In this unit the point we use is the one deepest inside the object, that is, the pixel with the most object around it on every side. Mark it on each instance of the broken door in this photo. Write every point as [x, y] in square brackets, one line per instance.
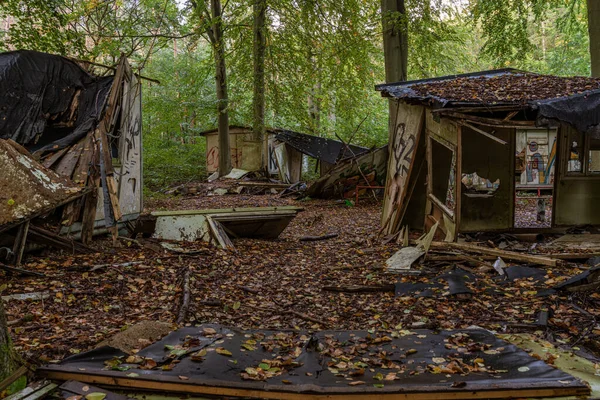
[487, 179]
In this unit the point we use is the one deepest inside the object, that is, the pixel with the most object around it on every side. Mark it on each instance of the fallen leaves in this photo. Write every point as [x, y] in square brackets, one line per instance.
[282, 275]
[506, 88]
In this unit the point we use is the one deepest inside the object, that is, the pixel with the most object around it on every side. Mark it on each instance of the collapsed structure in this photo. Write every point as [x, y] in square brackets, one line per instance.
[461, 147]
[345, 170]
[85, 128]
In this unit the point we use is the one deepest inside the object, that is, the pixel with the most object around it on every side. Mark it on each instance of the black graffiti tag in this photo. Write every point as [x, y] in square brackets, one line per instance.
[403, 150]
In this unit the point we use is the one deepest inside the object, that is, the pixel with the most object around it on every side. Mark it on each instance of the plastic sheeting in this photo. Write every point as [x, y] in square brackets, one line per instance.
[48, 101]
[581, 111]
[325, 362]
[328, 150]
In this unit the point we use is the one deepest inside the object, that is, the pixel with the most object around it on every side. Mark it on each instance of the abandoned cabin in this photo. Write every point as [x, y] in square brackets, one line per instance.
[65, 128]
[502, 150]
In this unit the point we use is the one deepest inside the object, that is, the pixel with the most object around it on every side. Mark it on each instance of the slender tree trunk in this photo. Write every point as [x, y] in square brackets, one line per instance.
[258, 130]
[8, 357]
[221, 81]
[593, 10]
[395, 39]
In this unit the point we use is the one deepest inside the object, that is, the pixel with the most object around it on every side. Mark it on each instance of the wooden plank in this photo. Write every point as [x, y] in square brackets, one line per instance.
[68, 162]
[42, 392]
[219, 233]
[480, 109]
[509, 255]
[54, 240]
[441, 206]
[89, 213]
[84, 389]
[484, 133]
[265, 184]
[458, 182]
[20, 241]
[489, 121]
[12, 378]
[33, 391]
[129, 383]
[50, 160]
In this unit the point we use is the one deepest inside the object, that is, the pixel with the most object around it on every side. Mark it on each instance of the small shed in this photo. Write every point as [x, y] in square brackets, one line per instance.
[285, 151]
[465, 149]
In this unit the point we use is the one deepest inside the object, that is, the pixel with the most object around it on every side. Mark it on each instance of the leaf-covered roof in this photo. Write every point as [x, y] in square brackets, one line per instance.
[491, 87]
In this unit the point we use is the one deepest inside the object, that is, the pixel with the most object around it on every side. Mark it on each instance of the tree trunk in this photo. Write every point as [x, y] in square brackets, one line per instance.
[258, 131]
[221, 81]
[593, 9]
[395, 39]
[8, 357]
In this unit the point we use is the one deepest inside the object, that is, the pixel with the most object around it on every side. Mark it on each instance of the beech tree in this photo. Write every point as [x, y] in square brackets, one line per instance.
[395, 39]
[258, 100]
[214, 32]
[593, 12]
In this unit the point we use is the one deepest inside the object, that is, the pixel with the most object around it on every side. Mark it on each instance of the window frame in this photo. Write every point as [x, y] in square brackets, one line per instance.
[585, 160]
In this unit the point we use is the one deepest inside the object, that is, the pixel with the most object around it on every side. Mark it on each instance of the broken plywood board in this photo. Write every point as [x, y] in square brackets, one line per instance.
[577, 242]
[212, 371]
[29, 188]
[34, 391]
[236, 173]
[566, 361]
[73, 390]
[402, 260]
[256, 222]
[138, 336]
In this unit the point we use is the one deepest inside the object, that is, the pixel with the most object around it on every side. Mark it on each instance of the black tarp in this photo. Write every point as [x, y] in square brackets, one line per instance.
[38, 90]
[325, 362]
[582, 111]
[323, 149]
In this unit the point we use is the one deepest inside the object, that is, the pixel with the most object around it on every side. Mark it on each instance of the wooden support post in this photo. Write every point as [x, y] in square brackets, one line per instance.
[19, 245]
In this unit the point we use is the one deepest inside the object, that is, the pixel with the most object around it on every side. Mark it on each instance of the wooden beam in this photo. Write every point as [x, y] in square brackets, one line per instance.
[20, 241]
[509, 255]
[488, 121]
[51, 239]
[481, 109]
[484, 133]
[222, 391]
[13, 377]
[510, 115]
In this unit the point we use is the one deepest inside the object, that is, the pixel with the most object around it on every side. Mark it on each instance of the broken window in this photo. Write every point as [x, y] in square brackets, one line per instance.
[575, 152]
[442, 173]
[594, 156]
[477, 186]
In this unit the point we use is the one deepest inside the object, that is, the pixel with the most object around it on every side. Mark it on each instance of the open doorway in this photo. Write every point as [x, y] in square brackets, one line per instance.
[535, 156]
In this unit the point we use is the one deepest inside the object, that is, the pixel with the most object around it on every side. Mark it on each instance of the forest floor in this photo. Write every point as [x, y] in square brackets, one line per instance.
[276, 284]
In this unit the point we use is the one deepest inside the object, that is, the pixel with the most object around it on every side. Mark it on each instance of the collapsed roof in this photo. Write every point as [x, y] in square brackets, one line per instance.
[323, 149]
[574, 100]
[75, 123]
[28, 189]
[48, 102]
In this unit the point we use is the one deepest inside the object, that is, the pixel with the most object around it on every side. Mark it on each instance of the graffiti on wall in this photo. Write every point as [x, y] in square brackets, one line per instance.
[212, 158]
[402, 147]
